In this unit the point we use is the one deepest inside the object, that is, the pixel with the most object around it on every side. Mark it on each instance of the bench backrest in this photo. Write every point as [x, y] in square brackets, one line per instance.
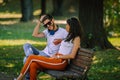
[82, 62]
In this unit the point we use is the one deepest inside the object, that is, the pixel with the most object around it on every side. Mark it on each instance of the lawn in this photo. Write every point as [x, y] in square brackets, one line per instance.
[106, 63]
[13, 34]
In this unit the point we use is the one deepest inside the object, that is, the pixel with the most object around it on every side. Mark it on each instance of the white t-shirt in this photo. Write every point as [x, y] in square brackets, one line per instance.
[51, 48]
[66, 47]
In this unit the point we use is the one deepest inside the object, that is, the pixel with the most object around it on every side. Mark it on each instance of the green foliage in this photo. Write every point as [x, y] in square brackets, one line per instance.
[105, 65]
[112, 16]
[90, 35]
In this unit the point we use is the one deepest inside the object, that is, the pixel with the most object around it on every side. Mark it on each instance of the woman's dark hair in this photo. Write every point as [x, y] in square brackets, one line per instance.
[47, 16]
[75, 29]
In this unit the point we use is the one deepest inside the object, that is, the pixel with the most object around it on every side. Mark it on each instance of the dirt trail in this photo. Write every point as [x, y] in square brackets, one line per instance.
[3, 76]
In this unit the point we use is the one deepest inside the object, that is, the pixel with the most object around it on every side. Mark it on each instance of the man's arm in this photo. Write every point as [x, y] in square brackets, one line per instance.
[36, 32]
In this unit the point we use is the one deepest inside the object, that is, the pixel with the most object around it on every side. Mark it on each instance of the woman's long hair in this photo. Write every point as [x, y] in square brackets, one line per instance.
[75, 29]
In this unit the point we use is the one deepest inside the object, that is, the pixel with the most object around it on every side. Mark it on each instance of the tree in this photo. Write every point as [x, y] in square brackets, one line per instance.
[57, 6]
[27, 10]
[112, 16]
[43, 7]
[91, 16]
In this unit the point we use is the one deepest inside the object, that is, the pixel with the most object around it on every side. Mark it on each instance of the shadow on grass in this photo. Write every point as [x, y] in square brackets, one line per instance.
[11, 60]
[106, 65]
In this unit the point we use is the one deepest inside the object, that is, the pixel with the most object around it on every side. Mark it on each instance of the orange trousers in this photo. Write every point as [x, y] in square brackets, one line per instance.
[35, 62]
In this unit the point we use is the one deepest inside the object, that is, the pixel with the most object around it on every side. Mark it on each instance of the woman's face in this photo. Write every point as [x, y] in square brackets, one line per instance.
[67, 27]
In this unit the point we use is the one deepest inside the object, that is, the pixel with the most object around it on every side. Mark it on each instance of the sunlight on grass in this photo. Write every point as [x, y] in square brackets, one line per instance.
[1, 1]
[18, 16]
[37, 12]
[95, 61]
[115, 41]
[10, 15]
[8, 22]
[10, 65]
[7, 16]
[45, 76]
[115, 69]
[119, 57]
[19, 42]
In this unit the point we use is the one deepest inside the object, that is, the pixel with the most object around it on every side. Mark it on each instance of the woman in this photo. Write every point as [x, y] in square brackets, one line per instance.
[59, 61]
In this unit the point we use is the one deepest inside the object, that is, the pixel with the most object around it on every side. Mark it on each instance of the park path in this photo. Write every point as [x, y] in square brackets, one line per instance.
[3, 76]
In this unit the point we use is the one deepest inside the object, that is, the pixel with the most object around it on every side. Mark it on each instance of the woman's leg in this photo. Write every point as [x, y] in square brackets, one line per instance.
[24, 69]
[36, 65]
[33, 71]
[20, 77]
[47, 63]
[29, 49]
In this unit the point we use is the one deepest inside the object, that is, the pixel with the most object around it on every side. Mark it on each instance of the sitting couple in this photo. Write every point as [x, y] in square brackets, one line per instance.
[61, 45]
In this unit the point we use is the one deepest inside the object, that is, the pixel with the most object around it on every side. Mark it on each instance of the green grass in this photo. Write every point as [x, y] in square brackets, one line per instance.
[13, 34]
[12, 38]
[106, 63]
[115, 41]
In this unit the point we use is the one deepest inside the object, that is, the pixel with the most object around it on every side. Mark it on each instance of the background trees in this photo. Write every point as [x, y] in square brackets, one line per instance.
[26, 10]
[112, 16]
[99, 21]
[91, 16]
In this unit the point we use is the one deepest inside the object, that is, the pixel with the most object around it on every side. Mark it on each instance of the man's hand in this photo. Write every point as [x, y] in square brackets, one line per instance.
[41, 18]
[57, 41]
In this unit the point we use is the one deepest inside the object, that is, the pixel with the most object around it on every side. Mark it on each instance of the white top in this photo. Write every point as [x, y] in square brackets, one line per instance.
[51, 48]
[66, 47]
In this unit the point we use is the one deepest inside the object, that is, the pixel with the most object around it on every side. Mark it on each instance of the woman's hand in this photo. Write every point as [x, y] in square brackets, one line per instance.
[56, 56]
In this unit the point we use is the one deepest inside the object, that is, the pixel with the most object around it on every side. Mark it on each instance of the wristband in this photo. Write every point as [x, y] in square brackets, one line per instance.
[58, 56]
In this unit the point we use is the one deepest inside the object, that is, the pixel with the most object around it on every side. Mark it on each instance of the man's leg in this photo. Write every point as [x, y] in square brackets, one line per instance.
[29, 49]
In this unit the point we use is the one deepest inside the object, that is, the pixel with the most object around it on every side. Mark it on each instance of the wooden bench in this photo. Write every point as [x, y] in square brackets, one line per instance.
[77, 69]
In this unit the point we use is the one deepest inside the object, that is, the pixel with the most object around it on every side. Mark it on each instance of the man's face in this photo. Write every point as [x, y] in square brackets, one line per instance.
[48, 24]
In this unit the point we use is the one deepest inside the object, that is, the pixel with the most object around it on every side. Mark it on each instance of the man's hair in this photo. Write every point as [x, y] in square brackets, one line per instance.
[47, 16]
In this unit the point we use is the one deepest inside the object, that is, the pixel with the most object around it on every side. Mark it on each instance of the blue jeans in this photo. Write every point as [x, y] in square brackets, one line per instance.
[28, 50]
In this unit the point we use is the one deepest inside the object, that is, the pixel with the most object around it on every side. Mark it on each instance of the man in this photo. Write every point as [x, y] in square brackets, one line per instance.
[54, 35]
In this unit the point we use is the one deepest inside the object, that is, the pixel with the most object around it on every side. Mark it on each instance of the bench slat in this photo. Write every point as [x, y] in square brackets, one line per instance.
[83, 62]
[84, 58]
[85, 54]
[77, 68]
[79, 64]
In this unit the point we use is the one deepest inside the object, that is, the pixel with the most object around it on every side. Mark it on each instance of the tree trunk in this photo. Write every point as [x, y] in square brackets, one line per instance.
[27, 10]
[57, 6]
[43, 7]
[91, 16]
